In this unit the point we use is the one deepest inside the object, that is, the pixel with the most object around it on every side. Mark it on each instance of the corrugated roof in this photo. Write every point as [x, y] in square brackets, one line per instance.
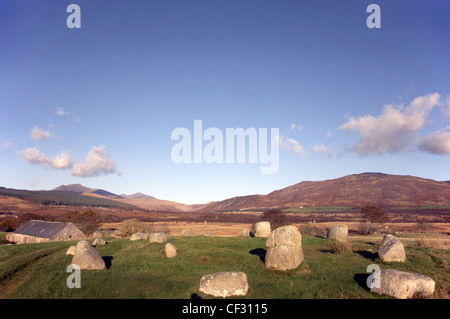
[39, 228]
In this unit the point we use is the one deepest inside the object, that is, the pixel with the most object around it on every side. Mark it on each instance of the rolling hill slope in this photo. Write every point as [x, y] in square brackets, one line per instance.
[63, 198]
[139, 200]
[348, 191]
[351, 190]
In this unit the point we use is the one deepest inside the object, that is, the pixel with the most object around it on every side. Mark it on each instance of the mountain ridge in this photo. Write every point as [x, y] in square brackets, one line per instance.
[137, 195]
[348, 191]
[138, 199]
[78, 188]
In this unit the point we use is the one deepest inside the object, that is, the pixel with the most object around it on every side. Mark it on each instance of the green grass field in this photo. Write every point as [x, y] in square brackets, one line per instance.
[435, 207]
[140, 269]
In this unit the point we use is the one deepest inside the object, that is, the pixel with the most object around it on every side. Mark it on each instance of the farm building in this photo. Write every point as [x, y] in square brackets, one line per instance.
[38, 231]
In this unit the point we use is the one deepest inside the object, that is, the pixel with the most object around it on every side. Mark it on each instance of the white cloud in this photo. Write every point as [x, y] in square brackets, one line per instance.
[34, 156]
[436, 143]
[395, 129]
[39, 134]
[97, 162]
[61, 112]
[322, 149]
[291, 145]
[297, 127]
[330, 133]
[62, 161]
[5, 145]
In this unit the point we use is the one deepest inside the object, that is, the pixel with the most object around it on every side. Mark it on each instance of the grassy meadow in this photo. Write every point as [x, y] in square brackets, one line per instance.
[140, 269]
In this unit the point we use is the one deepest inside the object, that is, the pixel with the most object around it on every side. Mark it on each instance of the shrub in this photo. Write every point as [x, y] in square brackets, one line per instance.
[310, 229]
[12, 224]
[373, 217]
[366, 228]
[8, 224]
[130, 226]
[87, 221]
[48, 218]
[276, 218]
[341, 247]
[374, 214]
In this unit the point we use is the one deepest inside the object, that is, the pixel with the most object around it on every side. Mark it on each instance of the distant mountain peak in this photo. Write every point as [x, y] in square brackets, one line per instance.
[372, 173]
[77, 188]
[138, 195]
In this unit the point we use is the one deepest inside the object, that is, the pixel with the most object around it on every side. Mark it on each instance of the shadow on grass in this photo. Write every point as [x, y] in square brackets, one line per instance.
[260, 252]
[108, 261]
[361, 279]
[367, 254]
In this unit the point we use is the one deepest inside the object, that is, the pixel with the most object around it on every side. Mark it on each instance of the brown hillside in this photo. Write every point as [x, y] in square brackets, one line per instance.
[156, 204]
[351, 190]
[148, 203]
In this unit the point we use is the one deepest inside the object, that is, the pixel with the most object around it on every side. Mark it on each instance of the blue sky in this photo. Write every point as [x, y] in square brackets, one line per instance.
[97, 105]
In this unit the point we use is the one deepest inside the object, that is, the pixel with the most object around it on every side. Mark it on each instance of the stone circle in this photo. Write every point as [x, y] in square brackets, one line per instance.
[224, 284]
[338, 233]
[403, 285]
[262, 229]
[138, 236]
[391, 250]
[170, 250]
[284, 248]
[86, 257]
[158, 238]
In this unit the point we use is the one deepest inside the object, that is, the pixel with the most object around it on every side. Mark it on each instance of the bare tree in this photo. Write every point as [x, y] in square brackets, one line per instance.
[276, 217]
[372, 218]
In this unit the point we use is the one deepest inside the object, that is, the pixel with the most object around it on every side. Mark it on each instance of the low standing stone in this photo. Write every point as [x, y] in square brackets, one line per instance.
[170, 250]
[284, 248]
[87, 257]
[71, 250]
[262, 229]
[338, 233]
[98, 242]
[224, 284]
[403, 285]
[138, 236]
[158, 238]
[97, 234]
[187, 233]
[391, 250]
[245, 233]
